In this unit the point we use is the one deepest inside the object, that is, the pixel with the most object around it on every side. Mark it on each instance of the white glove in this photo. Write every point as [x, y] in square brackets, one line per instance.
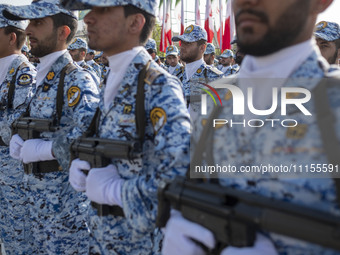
[179, 231]
[77, 178]
[262, 246]
[103, 186]
[34, 150]
[15, 146]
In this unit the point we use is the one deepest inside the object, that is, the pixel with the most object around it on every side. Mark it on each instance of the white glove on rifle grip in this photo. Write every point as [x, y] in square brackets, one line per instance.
[35, 150]
[103, 186]
[15, 146]
[262, 246]
[77, 178]
[178, 234]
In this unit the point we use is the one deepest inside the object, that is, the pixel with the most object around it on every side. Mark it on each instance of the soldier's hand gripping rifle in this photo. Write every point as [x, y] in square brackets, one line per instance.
[235, 216]
[99, 151]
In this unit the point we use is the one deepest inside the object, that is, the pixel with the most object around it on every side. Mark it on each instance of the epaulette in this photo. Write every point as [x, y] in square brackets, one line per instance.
[70, 68]
[151, 75]
[23, 65]
[215, 70]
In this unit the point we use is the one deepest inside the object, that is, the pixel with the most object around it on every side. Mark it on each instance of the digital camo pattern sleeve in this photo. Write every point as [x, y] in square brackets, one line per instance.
[81, 99]
[24, 86]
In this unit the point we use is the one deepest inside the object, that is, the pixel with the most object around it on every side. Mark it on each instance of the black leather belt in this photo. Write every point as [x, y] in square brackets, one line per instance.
[105, 210]
[42, 167]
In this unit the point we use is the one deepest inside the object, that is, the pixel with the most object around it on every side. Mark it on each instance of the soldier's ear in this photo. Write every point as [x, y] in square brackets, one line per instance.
[321, 5]
[202, 48]
[338, 62]
[136, 23]
[63, 32]
[12, 39]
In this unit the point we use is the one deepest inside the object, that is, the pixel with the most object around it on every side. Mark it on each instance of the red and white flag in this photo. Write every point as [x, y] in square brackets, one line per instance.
[208, 24]
[182, 17]
[197, 13]
[166, 27]
[229, 27]
[179, 15]
[217, 9]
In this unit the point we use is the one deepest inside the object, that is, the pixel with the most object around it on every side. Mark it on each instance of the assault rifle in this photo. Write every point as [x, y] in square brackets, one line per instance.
[99, 151]
[235, 216]
[30, 128]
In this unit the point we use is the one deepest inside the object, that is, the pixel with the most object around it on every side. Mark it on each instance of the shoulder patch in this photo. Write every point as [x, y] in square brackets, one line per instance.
[151, 75]
[73, 96]
[25, 79]
[158, 118]
[11, 71]
[199, 70]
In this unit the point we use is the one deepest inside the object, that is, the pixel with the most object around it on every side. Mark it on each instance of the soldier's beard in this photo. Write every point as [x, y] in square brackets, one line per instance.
[282, 35]
[46, 46]
[190, 56]
[333, 60]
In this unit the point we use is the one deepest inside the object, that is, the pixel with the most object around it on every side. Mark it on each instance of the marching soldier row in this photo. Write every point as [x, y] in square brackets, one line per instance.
[53, 202]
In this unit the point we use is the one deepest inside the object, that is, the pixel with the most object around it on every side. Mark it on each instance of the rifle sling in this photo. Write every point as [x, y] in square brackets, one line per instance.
[140, 104]
[11, 90]
[326, 122]
[200, 151]
[2, 143]
[60, 92]
[104, 210]
[52, 165]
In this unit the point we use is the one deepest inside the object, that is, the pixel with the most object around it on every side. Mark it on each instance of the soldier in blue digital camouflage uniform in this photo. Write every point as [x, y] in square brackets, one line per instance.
[327, 36]
[105, 68]
[227, 66]
[151, 47]
[209, 54]
[57, 212]
[131, 185]
[238, 145]
[193, 45]
[25, 50]
[175, 68]
[90, 61]
[77, 50]
[17, 79]
[97, 58]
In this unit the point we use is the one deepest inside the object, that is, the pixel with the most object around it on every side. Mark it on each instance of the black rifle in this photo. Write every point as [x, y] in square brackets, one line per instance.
[235, 216]
[99, 151]
[30, 128]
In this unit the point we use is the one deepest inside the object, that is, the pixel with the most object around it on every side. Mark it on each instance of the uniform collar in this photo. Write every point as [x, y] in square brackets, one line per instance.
[191, 68]
[90, 62]
[122, 60]
[81, 62]
[5, 66]
[46, 63]
[122, 67]
[280, 64]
